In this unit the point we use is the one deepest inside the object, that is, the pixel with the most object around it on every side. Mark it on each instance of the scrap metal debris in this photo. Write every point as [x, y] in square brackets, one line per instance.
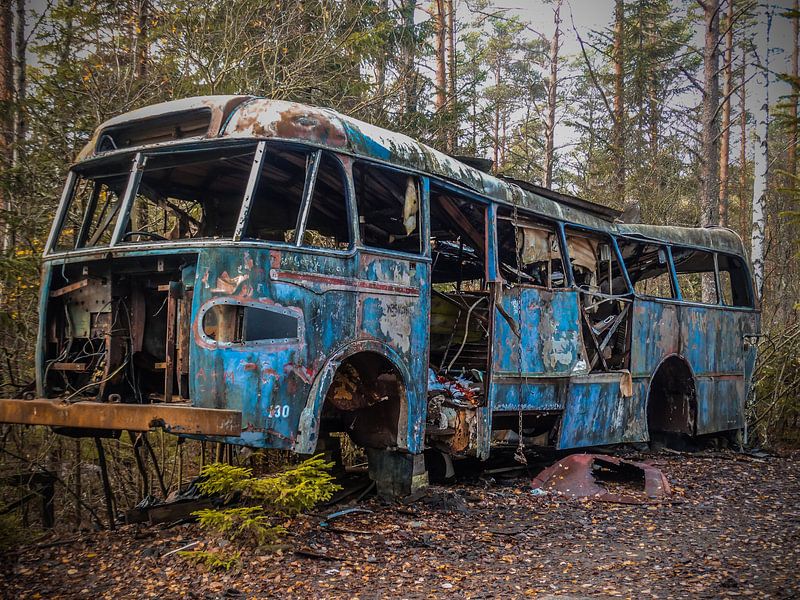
[341, 513]
[580, 476]
[459, 390]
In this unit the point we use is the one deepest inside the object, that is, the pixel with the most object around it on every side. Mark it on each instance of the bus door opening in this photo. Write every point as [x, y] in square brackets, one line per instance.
[459, 321]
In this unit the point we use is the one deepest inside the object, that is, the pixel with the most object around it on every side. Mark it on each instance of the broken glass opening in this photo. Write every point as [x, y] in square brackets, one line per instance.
[94, 205]
[692, 268]
[648, 268]
[238, 324]
[529, 253]
[734, 281]
[193, 194]
[388, 207]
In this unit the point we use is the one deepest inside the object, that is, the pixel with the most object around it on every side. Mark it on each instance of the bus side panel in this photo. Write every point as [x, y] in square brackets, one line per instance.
[401, 321]
[713, 342]
[268, 382]
[548, 324]
[530, 395]
[655, 335]
[719, 404]
[601, 409]
[710, 339]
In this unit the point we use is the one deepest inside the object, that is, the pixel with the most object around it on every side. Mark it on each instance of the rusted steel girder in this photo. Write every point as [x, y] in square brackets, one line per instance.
[133, 417]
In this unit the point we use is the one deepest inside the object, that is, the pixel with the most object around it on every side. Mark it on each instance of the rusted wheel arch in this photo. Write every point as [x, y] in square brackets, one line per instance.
[308, 433]
[677, 421]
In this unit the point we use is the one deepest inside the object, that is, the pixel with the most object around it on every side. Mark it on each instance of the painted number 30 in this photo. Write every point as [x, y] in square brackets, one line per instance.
[278, 412]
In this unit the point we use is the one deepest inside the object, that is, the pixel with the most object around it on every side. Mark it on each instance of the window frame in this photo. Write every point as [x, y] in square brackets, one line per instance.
[423, 212]
[679, 299]
[670, 269]
[532, 219]
[617, 252]
[312, 174]
[747, 279]
[249, 303]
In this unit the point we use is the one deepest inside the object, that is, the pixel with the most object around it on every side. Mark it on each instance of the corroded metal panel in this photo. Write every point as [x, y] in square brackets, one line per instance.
[529, 395]
[602, 409]
[401, 322]
[655, 335]
[537, 333]
[268, 382]
[536, 348]
[711, 341]
[719, 403]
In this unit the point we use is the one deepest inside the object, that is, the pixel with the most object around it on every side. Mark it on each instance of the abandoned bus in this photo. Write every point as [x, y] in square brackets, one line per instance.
[266, 273]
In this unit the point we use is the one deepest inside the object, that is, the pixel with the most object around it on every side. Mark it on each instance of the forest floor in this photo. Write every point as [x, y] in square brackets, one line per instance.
[733, 529]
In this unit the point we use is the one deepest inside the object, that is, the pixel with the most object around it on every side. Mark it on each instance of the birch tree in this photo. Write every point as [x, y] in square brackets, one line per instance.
[632, 212]
[795, 81]
[552, 97]
[758, 222]
[709, 153]
[6, 112]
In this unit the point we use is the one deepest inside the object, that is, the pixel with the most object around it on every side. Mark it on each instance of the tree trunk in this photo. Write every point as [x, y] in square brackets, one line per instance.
[631, 212]
[552, 89]
[497, 118]
[408, 44]
[142, 44]
[724, 148]
[709, 168]
[452, 125]
[20, 48]
[791, 161]
[440, 34]
[761, 165]
[440, 57]
[6, 112]
[380, 66]
[743, 150]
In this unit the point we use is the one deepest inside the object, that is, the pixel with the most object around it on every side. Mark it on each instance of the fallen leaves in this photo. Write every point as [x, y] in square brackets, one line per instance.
[735, 535]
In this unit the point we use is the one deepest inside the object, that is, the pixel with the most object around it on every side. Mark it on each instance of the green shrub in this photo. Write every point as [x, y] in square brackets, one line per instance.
[247, 523]
[213, 559]
[288, 493]
[266, 500]
[221, 479]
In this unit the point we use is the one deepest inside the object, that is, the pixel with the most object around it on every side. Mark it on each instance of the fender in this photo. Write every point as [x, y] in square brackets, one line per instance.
[308, 427]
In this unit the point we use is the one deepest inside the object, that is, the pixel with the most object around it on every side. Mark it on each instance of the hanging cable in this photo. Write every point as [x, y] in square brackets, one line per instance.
[466, 332]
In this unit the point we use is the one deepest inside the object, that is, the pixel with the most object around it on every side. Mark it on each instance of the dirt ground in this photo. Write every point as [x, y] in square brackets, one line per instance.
[733, 530]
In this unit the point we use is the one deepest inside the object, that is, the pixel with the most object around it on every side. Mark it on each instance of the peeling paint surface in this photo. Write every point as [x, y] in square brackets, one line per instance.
[549, 327]
[598, 412]
[377, 301]
[268, 383]
[711, 341]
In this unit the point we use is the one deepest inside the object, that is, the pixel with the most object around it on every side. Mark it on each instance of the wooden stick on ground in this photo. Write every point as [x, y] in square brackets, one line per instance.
[101, 456]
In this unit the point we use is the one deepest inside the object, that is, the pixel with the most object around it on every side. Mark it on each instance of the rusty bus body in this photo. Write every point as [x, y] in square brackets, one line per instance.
[266, 273]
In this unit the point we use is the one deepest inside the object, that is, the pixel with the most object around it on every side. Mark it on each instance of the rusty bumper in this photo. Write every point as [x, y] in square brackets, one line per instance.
[133, 417]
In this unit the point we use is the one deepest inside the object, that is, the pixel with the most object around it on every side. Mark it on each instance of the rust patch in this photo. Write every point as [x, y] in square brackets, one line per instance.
[581, 476]
[299, 122]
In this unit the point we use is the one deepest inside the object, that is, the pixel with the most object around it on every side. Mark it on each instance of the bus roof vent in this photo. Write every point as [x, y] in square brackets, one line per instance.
[153, 130]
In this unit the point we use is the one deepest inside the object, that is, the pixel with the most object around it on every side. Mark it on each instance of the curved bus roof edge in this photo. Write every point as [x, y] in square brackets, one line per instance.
[238, 116]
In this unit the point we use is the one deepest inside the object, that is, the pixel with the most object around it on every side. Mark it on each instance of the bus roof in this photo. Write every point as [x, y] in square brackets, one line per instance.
[243, 117]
